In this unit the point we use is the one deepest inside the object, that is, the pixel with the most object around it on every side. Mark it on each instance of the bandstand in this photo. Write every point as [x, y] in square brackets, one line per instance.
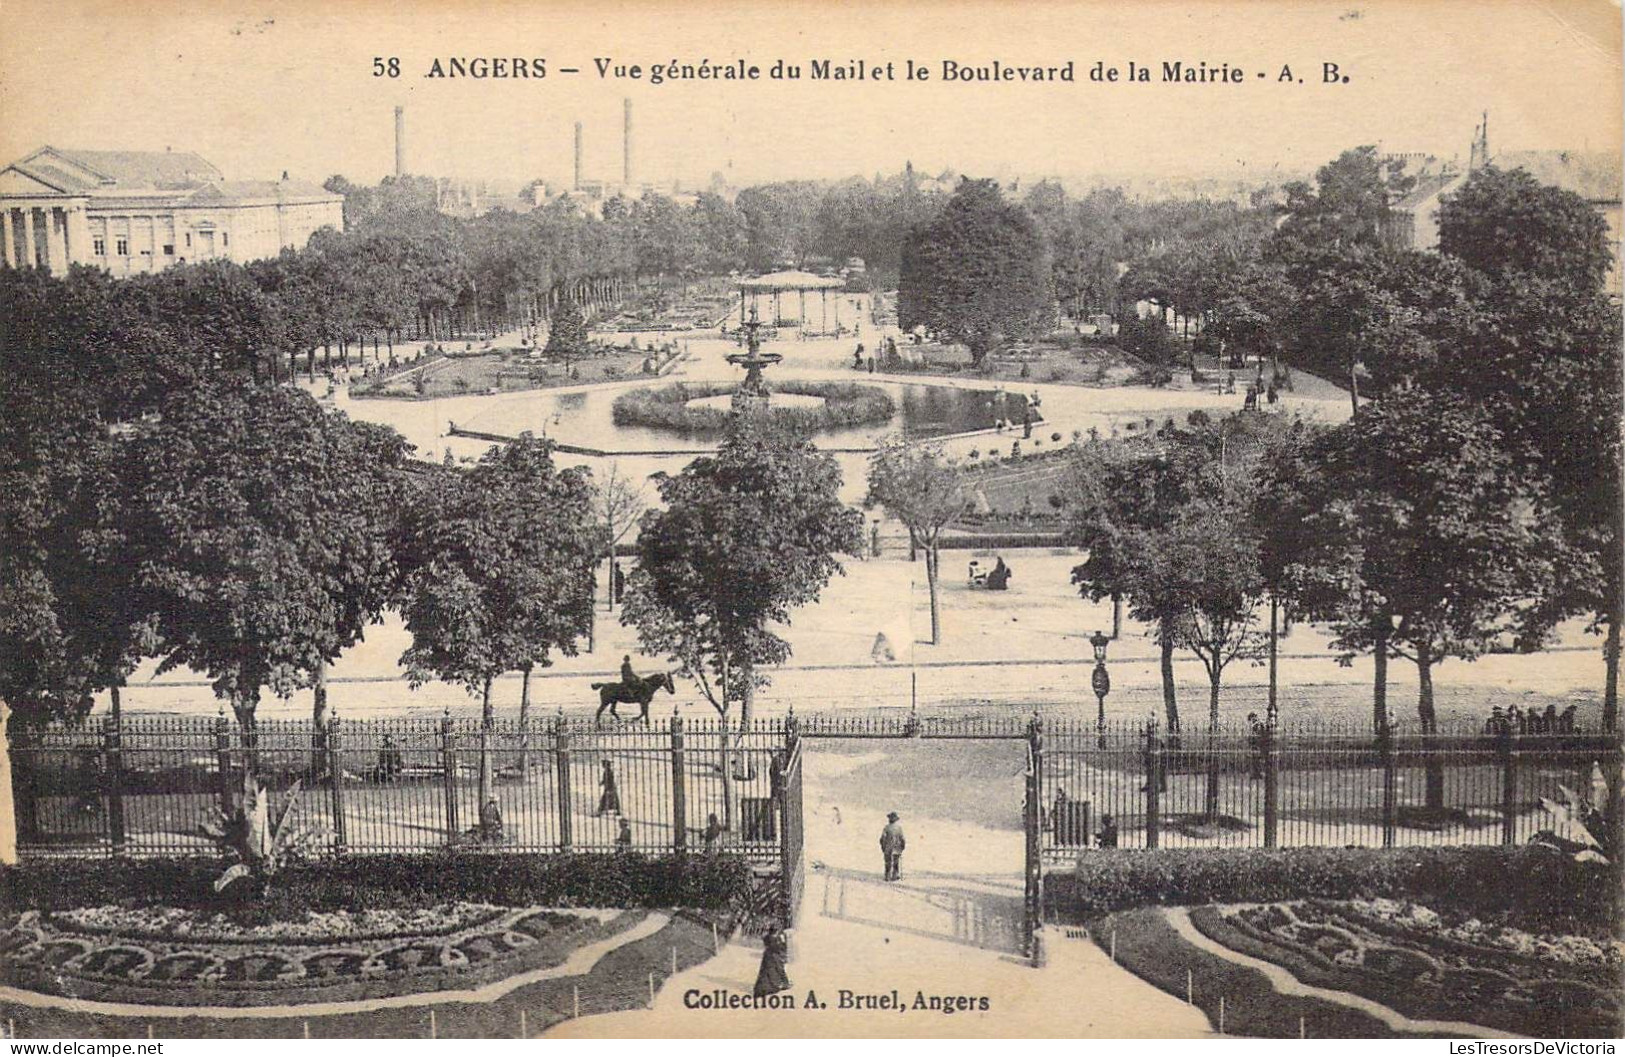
[775, 285]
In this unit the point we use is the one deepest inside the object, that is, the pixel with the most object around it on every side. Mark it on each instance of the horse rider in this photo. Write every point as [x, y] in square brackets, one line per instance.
[629, 678]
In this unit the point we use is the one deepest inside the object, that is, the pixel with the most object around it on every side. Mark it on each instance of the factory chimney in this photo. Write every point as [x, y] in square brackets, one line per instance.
[577, 184]
[626, 147]
[400, 142]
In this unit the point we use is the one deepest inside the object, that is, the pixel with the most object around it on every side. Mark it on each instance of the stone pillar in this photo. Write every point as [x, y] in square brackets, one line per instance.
[30, 254]
[56, 242]
[79, 248]
[9, 235]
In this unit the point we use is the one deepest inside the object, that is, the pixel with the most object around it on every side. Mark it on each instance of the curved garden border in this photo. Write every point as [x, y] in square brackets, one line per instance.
[847, 405]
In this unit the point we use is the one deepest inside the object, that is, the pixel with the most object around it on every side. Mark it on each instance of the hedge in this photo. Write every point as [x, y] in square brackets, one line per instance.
[1536, 885]
[394, 881]
[847, 405]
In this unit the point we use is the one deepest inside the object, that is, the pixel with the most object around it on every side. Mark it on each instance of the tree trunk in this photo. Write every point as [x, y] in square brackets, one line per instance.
[1610, 655]
[524, 724]
[486, 720]
[1170, 703]
[318, 716]
[1379, 682]
[931, 583]
[1354, 388]
[113, 694]
[1210, 810]
[1424, 712]
[1117, 617]
[1272, 708]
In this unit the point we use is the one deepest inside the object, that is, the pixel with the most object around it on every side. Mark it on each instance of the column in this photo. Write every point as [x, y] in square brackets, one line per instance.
[56, 242]
[79, 236]
[30, 257]
[9, 236]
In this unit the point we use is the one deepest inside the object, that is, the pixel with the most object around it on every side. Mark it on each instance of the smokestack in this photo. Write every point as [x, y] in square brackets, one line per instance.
[626, 147]
[400, 141]
[577, 184]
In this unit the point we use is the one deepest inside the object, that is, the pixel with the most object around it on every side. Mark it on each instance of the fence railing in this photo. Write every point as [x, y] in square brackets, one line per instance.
[414, 785]
[395, 785]
[1324, 785]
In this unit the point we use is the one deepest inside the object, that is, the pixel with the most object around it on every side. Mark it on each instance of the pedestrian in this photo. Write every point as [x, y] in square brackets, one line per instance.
[1255, 746]
[623, 839]
[609, 799]
[713, 830]
[891, 847]
[1106, 836]
[491, 821]
[771, 978]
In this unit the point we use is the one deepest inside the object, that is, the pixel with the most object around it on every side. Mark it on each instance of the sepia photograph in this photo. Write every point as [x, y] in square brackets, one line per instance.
[937, 519]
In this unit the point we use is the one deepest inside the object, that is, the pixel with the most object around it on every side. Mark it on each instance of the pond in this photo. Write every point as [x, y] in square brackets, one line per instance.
[585, 418]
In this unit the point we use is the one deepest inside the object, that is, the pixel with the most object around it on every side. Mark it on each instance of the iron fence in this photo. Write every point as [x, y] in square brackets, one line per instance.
[148, 786]
[562, 785]
[1311, 784]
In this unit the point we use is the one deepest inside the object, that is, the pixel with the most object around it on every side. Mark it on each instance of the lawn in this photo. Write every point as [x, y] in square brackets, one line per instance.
[1429, 966]
[1147, 945]
[508, 369]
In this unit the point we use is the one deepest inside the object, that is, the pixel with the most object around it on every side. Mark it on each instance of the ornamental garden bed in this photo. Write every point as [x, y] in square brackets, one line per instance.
[203, 960]
[846, 406]
[154, 932]
[1405, 956]
[1149, 947]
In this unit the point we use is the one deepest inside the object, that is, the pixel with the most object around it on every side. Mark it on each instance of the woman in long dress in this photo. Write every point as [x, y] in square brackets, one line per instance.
[609, 800]
[771, 978]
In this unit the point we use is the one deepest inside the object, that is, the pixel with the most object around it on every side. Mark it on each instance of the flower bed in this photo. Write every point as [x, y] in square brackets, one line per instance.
[846, 406]
[1528, 887]
[1406, 957]
[215, 963]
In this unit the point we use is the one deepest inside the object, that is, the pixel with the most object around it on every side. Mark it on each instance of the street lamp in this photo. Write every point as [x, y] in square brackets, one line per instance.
[1102, 684]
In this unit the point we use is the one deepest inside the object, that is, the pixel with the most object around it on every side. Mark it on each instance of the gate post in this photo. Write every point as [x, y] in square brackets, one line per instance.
[1385, 747]
[1032, 820]
[114, 776]
[561, 749]
[1509, 782]
[448, 764]
[1153, 785]
[335, 777]
[1272, 785]
[679, 788]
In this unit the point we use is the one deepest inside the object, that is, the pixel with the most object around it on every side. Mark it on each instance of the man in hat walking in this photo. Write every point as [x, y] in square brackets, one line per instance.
[891, 846]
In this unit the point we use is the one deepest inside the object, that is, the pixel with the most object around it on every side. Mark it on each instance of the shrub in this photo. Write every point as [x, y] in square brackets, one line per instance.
[396, 881]
[846, 405]
[1056, 437]
[1535, 884]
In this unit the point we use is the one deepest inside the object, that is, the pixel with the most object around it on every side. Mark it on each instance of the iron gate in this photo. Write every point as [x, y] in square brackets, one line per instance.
[787, 791]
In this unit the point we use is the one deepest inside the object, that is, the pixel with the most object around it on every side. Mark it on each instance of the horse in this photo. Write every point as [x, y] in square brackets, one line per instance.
[639, 692]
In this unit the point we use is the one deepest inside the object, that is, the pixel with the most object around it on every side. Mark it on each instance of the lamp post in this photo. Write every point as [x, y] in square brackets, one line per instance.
[1101, 681]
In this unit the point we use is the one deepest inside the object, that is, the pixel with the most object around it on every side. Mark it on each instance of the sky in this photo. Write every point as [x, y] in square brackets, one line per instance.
[262, 87]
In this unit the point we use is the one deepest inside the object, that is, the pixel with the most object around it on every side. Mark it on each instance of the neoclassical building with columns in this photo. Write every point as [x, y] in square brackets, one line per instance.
[142, 211]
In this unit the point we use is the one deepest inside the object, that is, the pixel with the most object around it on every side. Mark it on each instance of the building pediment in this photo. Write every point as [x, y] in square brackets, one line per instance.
[13, 181]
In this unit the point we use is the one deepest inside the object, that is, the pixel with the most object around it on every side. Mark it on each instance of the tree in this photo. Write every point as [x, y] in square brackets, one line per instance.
[747, 536]
[1502, 222]
[919, 486]
[70, 624]
[499, 572]
[567, 333]
[617, 505]
[240, 541]
[978, 273]
[1429, 542]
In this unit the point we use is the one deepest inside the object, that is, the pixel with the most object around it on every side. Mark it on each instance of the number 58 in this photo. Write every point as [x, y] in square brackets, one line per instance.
[390, 67]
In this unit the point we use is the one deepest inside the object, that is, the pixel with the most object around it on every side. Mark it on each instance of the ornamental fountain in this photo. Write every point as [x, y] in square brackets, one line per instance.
[753, 393]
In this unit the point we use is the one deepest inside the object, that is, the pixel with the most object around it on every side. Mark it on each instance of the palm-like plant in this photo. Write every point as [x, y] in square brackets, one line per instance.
[1578, 826]
[261, 838]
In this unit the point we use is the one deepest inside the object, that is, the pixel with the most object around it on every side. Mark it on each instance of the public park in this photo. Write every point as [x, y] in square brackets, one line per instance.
[943, 590]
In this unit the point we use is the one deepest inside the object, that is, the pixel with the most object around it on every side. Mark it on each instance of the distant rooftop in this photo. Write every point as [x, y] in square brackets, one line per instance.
[1593, 175]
